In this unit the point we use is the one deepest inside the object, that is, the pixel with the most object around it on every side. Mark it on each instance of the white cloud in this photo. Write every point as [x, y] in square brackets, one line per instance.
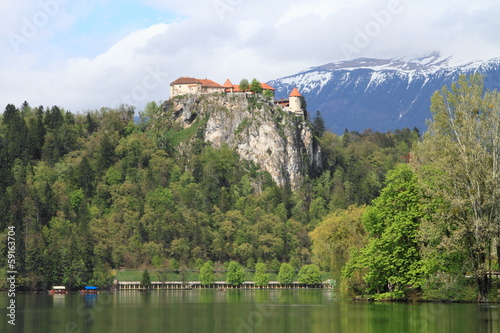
[250, 29]
[322, 9]
[233, 39]
[120, 75]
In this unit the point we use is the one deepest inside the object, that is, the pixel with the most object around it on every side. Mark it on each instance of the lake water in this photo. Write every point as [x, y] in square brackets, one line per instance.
[277, 311]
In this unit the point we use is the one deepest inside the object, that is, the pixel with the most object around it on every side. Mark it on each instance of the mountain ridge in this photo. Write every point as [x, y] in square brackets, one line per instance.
[381, 94]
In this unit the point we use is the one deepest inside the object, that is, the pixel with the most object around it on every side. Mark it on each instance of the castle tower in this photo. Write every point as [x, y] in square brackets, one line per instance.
[228, 86]
[296, 102]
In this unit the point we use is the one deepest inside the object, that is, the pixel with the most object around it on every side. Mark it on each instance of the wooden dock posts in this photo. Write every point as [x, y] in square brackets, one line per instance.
[221, 285]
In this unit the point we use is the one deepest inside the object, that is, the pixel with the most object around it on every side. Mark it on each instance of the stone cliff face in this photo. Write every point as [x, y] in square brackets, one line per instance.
[281, 143]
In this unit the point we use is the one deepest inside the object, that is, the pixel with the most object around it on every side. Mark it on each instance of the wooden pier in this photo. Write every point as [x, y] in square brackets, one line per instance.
[220, 285]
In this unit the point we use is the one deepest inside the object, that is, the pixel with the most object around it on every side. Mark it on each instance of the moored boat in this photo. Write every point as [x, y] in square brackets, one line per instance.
[58, 290]
[89, 290]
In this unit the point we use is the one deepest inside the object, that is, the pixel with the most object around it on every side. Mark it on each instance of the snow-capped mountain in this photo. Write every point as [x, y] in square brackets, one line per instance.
[380, 94]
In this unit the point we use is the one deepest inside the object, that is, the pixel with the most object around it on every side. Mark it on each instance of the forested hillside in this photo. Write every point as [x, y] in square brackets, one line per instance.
[90, 192]
[392, 214]
[434, 230]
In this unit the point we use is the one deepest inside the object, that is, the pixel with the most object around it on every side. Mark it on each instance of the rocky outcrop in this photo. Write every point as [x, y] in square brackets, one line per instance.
[281, 143]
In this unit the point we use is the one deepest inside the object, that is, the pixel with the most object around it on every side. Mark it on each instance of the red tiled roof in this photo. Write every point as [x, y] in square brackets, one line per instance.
[185, 80]
[265, 86]
[237, 88]
[295, 93]
[193, 81]
[209, 83]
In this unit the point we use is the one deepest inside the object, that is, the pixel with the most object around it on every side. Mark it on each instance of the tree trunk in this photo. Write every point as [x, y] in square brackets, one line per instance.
[483, 288]
[498, 251]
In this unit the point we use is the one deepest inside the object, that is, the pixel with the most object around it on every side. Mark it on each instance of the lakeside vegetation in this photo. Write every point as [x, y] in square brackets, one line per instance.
[208, 274]
[393, 214]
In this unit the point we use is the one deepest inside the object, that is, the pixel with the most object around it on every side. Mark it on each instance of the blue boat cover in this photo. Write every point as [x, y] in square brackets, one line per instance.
[91, 288]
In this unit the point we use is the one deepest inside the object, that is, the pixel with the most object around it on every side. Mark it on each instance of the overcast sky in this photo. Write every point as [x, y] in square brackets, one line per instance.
[89, 54]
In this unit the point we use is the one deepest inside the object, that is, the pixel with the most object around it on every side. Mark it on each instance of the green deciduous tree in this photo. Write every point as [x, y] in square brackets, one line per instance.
[310, 274]
[261, 277]
[336, 237]
[207, 276]
[255, 86]
[391, 259]
[244, 85]
[268, 94]
[459, 158]
[286, 274]
[235, 274]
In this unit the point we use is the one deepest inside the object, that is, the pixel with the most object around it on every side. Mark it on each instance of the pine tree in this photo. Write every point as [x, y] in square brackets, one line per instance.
[146, 279]
[318, 125]
[16, 135]
[90, 124]
[50, 149]
[54, 118]
[37, 134]
[105, 155]
[85, 177]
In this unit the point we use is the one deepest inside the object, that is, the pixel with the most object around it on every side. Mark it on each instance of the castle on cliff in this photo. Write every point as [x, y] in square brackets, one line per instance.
[188, 85]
